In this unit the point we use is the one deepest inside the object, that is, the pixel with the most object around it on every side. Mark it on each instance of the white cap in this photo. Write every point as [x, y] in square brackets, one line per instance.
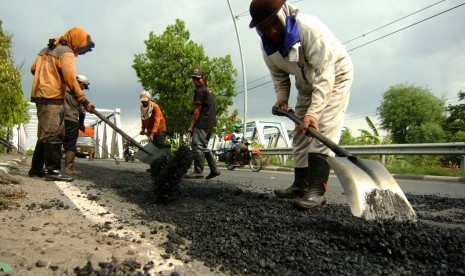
[144, 96]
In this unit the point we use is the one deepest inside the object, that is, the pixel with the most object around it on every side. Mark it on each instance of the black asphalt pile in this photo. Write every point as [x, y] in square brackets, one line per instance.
[168, 171]
[248, 233]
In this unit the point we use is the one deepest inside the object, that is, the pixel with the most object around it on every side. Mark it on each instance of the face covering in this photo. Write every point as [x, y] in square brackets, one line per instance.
[88, 47]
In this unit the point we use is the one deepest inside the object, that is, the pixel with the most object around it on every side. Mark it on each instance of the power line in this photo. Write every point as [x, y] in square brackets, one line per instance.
[353, 117]
[390, 23]
[357, 116]
[401, 29]
[379, 37]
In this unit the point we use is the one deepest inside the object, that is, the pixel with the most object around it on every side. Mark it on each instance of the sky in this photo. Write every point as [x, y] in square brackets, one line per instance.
[390, 42]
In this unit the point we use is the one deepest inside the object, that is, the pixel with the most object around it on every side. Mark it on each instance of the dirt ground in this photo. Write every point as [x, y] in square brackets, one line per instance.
[42, 233]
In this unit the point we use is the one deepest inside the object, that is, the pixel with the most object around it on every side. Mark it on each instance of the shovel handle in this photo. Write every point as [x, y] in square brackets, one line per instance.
[117, 129]
[311, 132]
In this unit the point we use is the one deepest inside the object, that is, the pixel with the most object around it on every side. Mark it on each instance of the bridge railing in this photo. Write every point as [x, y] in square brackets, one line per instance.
[454, 148]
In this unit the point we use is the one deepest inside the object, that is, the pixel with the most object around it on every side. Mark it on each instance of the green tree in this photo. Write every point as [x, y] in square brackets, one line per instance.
[456, 120]
[13, 106]
[426, 133]
[346, 137]
[165, 69]
[405, 106]
[369, 138]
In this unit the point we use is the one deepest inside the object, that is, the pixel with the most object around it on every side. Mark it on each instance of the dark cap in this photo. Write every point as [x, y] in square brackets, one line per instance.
[198, 73]
[262, 10]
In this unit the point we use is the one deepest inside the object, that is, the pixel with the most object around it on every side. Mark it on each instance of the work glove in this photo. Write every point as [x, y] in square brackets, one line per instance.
[82, 128]
[82, 118]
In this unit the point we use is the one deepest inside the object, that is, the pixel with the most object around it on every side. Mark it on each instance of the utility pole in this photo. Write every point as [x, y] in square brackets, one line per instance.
[244, 77]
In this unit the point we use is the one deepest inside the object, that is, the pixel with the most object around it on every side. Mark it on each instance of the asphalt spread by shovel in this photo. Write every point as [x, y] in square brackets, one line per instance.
[372, 193]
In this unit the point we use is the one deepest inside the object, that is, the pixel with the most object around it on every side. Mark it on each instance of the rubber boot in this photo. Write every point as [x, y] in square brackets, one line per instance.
[199, 161]
[37, 164]
[53, 163]
[318, 174]
[214, 172]
[69, 164]
[298, 188]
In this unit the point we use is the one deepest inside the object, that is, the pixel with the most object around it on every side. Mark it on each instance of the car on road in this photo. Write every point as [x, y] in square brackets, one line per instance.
[85, 146]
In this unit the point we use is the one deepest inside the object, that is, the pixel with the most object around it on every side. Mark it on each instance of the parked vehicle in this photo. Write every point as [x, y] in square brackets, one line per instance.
[85, 145]
[252, 157]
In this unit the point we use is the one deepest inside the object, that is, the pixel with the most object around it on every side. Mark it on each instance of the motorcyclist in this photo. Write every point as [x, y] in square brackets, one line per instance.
[126, 148]
[239, 145]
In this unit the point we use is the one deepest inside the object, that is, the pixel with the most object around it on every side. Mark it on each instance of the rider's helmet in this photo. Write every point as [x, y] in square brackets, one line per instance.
[237, 125]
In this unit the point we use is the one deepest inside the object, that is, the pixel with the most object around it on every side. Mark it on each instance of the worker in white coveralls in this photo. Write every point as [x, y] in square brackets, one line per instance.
[298, 44]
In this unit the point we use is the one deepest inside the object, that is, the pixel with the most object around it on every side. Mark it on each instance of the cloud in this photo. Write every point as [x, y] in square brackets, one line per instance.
[427, 54]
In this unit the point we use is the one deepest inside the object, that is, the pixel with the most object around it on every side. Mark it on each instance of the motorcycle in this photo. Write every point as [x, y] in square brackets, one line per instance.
[251, 157]
[128, 154]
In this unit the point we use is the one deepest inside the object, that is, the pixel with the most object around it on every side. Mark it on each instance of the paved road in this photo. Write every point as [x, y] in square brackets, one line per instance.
[267, 180]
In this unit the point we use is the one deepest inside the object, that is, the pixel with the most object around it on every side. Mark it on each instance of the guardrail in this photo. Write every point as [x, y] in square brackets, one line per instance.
[455, 148]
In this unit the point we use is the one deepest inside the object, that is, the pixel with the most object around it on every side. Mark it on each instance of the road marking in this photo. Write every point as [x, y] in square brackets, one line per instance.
[98, 214]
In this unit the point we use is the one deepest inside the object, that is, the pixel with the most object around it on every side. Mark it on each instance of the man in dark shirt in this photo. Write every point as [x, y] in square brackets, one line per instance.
[203, 121]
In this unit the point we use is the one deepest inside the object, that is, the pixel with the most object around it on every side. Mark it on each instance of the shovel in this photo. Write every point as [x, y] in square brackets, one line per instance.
[146, 153]
[372, 193]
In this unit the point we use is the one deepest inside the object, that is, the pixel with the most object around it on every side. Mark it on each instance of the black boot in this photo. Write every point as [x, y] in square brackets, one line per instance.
[53, 163]
[214, 172]
[298, 188]
[37, 166]
[318, 174]
[199, 161]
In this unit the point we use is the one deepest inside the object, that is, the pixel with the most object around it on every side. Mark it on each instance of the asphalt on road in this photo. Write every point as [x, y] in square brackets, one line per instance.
[236, 228]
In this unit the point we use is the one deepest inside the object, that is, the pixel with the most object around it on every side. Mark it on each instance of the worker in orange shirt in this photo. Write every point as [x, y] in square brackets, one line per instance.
[152, 121]
[54, 73]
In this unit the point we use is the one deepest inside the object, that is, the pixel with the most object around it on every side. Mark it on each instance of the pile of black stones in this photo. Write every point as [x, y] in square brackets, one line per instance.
[238, 231]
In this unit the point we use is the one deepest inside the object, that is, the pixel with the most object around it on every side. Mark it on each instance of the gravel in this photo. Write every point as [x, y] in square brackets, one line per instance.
[246, 232]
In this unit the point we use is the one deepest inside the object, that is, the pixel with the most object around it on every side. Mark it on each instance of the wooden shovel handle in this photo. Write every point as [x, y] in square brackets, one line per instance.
[118, 130]
[339, 151]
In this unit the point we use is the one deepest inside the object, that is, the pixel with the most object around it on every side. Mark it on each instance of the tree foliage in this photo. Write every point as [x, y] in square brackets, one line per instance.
[347, 138]
[13, 106]
[165, 70]
[427, 133]
[405, 106]
[455, 122]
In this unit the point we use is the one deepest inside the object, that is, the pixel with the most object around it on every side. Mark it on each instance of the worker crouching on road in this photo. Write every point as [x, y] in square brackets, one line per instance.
[54, 71]
[152, 121]
[301, 45]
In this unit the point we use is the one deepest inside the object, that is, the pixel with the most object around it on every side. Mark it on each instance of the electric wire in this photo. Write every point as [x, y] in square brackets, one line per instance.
[392, 22]
[401, 29]
[374, 40]
[418, 22]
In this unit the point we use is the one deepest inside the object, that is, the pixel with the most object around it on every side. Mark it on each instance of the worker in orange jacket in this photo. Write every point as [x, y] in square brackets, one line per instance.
[152, 121]
[54, 72]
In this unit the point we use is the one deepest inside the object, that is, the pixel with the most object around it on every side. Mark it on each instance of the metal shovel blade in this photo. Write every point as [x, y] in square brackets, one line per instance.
[150, 153]
[371, 190]
[372, 193]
